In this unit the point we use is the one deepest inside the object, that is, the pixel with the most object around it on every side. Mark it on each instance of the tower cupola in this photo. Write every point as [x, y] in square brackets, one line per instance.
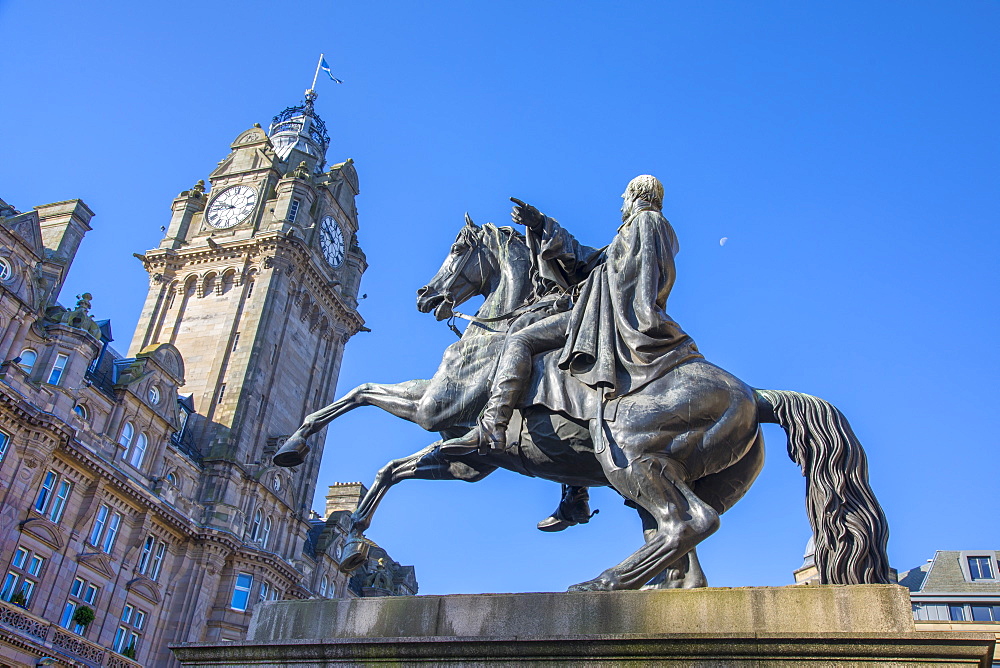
[300, 129]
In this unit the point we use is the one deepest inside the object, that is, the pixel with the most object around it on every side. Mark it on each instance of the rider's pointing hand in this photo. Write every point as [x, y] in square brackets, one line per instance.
[527, 215]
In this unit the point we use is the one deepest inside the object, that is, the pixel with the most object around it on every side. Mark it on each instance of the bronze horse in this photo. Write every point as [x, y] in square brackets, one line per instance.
[682, 450]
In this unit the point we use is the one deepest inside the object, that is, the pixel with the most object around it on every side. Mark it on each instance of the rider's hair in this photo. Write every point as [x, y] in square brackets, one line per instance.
[648, 188]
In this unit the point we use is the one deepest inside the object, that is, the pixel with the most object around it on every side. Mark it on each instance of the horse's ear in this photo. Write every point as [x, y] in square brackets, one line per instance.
[468, 220]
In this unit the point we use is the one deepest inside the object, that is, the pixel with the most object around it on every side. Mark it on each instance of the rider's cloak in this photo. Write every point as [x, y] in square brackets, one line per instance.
[619, 336]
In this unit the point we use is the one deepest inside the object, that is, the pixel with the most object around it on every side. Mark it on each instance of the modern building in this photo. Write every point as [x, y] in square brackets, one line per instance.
[138, 504]
[957, 590]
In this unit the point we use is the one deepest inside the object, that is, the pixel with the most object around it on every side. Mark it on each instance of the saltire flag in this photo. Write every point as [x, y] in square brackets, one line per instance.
[325, 66]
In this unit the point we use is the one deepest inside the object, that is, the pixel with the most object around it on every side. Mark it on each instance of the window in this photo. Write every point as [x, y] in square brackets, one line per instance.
[293, 211]
[80, 593]
[324, 584]
[45, 492]
[172, 479]
[57, 369]
[105, 530]
[156, 565]
[81, 410]
[125, 438]
[127, 637]
[276, 483]
[147, 553]
[28, 359]
[982, 613]
[241, 591]
[138, 451]
[99, 522]
[255, 526]
[250, 290]
[52, 496]
[980, 568]
[154, 394]
[4, 444]
[222, 392]
[956, 613]
[263, 591]
[111, 534]
[266, 533]
[126, 641]
[59, 503]
[236, 341]
[22, 578]
[7, 269]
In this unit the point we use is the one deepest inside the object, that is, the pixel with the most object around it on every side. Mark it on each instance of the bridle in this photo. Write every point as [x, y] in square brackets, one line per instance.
[473, 246]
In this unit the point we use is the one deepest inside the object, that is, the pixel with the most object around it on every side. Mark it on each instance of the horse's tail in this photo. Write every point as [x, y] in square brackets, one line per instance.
[849, 527]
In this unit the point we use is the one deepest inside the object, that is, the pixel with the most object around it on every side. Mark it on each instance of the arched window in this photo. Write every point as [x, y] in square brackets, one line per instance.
[6, 269]
[138, 451]
[255, 527]
[128, 432]
[266, 532]
[324, 584]
[172, 479]
[154, 394]
[28, 359]
[81, 410]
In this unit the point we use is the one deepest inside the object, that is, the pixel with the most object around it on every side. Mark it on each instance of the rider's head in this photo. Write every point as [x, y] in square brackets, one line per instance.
[645, 188]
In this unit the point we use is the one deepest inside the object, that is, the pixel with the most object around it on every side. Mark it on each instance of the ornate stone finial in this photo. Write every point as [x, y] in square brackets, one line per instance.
[83, 302]
[300, 172]
[199, 189]
[256, 125]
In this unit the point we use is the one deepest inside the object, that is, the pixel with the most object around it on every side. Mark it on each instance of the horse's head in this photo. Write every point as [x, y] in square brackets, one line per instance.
[466, 272]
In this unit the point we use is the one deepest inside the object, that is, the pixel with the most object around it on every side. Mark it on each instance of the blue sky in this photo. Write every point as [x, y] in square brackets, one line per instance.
[848, 152]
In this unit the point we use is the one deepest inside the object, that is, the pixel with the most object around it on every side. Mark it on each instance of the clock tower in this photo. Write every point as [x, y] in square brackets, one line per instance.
[255, 282]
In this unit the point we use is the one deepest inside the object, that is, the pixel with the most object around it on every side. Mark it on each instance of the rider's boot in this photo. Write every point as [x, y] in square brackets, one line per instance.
[491, 432]
[574, 508]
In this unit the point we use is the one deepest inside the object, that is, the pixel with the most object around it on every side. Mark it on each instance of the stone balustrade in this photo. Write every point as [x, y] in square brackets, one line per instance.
[16, 623]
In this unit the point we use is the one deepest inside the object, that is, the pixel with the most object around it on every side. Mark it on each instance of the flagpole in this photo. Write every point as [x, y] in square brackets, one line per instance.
[316, 75]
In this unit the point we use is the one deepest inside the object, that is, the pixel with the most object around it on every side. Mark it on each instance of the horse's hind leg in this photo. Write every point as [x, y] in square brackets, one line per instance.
[685, 573]
[682, 520]
[399, 399]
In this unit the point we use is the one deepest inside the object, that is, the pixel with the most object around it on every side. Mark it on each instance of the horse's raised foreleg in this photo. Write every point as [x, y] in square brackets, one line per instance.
[682, 520]
[399, 399]
[428, 464]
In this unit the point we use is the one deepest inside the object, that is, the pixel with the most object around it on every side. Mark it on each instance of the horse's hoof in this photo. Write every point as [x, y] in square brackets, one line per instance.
[292, 453]
[354, 554]
[597, 584]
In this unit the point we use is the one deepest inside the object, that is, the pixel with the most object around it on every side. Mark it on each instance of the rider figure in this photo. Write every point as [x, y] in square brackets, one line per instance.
[617, 337]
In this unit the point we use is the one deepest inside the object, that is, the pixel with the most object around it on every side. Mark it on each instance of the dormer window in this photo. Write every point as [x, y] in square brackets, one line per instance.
[81, 411]
[980, 568]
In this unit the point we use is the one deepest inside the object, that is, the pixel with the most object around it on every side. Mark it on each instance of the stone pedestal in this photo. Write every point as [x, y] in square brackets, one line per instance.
[869, 625]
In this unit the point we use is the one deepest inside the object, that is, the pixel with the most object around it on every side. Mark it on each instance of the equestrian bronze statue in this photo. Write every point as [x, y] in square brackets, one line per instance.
[572, 371]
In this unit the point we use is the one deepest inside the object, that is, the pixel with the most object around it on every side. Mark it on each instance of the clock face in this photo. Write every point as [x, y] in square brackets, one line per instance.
[231, 207]
[331, 241]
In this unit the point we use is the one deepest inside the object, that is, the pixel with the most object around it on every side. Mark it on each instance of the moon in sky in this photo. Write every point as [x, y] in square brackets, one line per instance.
[723, 240]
